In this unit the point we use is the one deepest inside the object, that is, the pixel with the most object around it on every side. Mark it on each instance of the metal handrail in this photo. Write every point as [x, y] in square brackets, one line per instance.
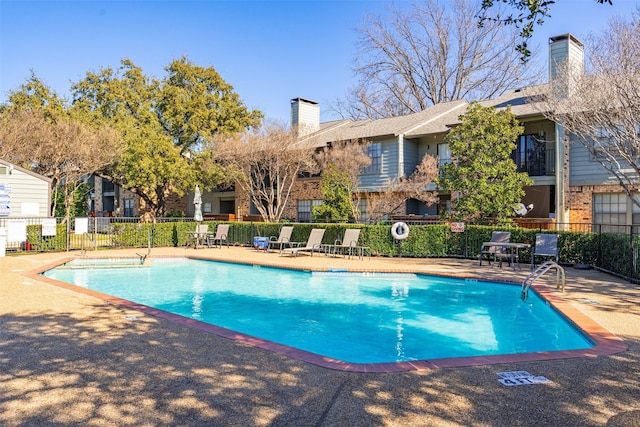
[543, 268]
[83, 249]
[143, 257]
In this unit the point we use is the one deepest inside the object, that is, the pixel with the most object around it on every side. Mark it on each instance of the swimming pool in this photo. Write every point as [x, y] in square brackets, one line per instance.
[356, 318]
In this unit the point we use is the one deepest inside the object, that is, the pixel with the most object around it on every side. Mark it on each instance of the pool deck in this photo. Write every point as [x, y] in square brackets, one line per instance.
[72, 358]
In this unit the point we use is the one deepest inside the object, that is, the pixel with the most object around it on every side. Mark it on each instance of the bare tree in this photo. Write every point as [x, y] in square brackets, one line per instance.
[601, 107]
[348, 158]
[59, 148]
[523, 15]
[431, 53]
[265, 164]
[399, 190]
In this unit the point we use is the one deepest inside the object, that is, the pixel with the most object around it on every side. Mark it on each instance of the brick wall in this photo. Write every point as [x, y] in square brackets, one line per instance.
[581, 200]
[97, 199]
[175, 204]
[243, 203]
[303, 189]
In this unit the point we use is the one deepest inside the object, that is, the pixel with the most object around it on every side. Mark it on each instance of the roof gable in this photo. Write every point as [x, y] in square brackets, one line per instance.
[23, 170]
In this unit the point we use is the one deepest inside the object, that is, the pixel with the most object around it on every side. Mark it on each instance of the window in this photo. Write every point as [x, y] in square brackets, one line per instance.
[128, 207]
[362, 207]
[374, 151]
[108, 187]
[635, 215]
[227, 206]
[530, 155]
[610, 209]
[444, 154]
[305, 209]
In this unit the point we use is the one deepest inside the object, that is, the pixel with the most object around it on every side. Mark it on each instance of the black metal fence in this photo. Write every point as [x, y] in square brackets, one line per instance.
[613, 248]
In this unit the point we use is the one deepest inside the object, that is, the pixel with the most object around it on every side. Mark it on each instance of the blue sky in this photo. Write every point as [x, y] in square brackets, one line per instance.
[270, 51]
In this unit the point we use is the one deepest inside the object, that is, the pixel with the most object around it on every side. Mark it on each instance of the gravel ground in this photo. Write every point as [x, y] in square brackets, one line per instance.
[71, 359]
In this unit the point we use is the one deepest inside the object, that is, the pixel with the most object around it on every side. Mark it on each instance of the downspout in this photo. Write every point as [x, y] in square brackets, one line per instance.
[401, 155]
[562, 174]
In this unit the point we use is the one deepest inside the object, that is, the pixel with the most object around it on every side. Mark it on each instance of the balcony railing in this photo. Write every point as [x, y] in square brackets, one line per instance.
[538, 163]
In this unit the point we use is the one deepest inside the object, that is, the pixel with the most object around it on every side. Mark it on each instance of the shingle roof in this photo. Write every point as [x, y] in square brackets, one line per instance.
[435, 119]
[522, 101]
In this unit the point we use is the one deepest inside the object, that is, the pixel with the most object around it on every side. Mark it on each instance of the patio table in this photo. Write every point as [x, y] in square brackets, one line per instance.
[513, 251]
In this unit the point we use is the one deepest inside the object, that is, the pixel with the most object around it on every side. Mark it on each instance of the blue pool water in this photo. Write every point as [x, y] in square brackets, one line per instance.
[353, 317]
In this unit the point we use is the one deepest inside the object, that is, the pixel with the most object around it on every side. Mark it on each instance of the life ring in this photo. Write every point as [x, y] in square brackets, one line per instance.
[400, 231]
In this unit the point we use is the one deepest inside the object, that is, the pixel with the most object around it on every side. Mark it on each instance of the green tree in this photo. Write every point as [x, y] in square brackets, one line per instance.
[167, 125]
[337, 195]
[483, 178]
[75, 205]
[39, 133]
[197, 106]
[341, 165]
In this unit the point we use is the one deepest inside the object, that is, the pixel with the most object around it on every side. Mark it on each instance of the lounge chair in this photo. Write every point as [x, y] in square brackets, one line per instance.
[546, 247]
[198, 237]
[314, 243]
[283, 240]
[349, 243]
[222, 231]
[495, 251]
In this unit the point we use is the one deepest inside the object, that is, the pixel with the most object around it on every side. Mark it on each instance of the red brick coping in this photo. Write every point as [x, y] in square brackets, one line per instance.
[605, 342]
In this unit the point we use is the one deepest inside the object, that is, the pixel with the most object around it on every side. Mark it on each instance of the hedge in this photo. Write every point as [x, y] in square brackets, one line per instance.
[610, 251]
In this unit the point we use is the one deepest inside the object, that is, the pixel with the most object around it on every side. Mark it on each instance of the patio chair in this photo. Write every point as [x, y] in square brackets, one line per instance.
[222, 231]
[495, 251]
[349, 243]
[314, 243]
[283, 240]
[546, 247]
[198, 237]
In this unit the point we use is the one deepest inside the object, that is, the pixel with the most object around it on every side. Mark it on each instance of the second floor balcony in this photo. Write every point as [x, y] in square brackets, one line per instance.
[533, 157]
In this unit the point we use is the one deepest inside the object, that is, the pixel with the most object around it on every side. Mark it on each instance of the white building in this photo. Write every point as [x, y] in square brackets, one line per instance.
[23, 193]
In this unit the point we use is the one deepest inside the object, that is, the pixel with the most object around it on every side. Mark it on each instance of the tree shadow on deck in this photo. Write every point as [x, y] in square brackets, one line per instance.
[108, 365]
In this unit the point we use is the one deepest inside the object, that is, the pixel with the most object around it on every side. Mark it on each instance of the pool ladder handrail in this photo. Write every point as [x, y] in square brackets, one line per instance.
[543, 268]
[143, 257]
[83, 249]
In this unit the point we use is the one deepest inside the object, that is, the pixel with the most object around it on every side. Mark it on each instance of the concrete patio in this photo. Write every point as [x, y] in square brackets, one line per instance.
[67, 358]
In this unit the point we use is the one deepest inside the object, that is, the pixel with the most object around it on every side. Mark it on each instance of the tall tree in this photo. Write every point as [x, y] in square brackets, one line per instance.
[525, 15]
[265, 164]
[337, 203]
[432, 52]
[397, 191]
[341, 165]
[601, 107]
[196, 106]
[483, 178]
[38, 133]
[166, 125]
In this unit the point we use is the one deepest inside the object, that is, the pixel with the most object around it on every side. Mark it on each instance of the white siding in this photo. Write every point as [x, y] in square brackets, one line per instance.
[29, 194]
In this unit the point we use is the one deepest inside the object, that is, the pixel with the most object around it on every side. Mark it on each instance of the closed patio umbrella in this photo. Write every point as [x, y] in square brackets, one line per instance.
[197, 200]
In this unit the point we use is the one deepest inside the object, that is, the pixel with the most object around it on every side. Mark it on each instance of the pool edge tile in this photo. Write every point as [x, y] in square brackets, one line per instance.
[605, 342]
